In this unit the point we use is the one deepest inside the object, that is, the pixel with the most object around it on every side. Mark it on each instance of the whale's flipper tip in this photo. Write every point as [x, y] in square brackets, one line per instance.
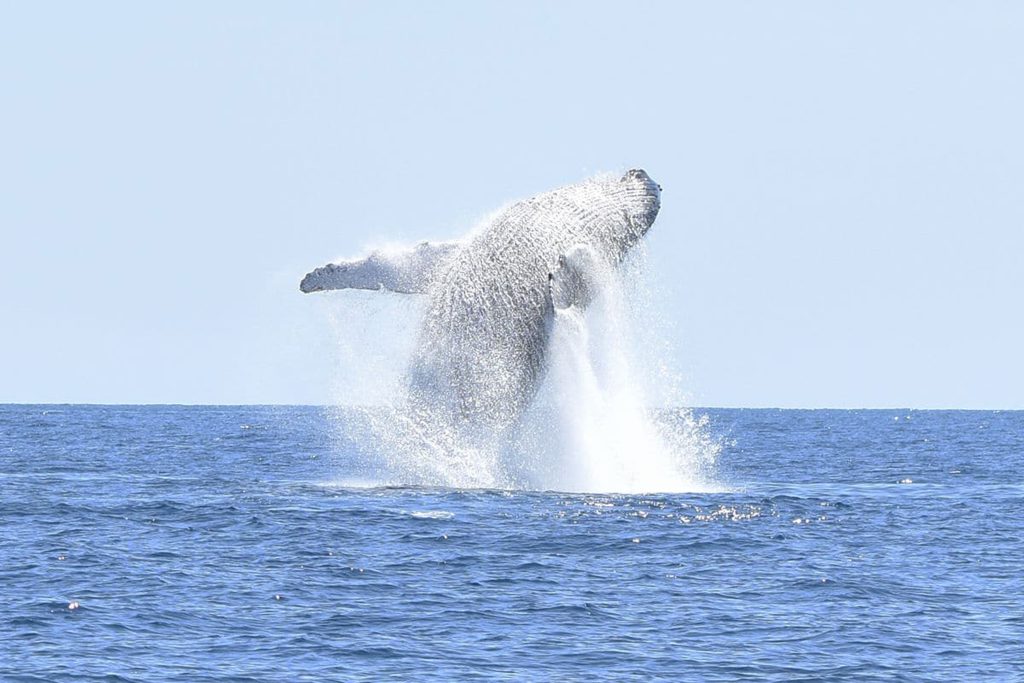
[408, 271]
[307, 285]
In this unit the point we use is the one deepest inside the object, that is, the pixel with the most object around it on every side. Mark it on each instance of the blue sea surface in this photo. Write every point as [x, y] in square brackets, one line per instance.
[169, 543]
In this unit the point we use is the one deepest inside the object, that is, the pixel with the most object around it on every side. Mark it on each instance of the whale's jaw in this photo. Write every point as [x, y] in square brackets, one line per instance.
[641, 196]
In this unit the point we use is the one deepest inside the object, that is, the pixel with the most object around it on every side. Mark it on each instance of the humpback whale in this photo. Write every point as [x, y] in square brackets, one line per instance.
[492, 296]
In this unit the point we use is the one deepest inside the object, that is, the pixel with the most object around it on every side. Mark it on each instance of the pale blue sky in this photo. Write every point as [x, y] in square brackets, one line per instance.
[841, 226]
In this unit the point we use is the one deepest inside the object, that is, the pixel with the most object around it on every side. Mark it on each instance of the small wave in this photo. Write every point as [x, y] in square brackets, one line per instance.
[352, 483]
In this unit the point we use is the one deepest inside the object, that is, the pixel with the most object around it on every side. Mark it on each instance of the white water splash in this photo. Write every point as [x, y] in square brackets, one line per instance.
[591, 428]
[605, 437]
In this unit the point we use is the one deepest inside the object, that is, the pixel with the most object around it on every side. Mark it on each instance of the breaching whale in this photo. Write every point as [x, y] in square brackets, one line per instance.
[484, 338]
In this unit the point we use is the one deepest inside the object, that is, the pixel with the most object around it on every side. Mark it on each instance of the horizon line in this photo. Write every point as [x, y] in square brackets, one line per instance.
[363, 406]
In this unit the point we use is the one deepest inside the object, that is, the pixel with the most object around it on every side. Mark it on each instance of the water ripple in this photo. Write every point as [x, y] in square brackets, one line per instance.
[173, 544]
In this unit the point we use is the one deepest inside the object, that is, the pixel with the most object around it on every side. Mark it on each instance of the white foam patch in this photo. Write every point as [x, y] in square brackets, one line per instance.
[431, 514]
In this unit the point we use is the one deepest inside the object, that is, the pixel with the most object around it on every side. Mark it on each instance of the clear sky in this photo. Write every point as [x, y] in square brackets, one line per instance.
[841, 225]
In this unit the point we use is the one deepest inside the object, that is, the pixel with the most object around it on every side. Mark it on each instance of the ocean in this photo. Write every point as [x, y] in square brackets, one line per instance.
[173, 543]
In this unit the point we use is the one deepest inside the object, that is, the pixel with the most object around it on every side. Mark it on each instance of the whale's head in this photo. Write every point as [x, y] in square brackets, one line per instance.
[641, 198]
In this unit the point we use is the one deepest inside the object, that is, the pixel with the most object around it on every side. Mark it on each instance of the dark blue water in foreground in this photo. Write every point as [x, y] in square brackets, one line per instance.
[207, 543]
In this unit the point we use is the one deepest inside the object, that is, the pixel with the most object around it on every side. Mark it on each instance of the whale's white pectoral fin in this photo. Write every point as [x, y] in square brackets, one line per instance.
[408, 271]
[574, 281]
